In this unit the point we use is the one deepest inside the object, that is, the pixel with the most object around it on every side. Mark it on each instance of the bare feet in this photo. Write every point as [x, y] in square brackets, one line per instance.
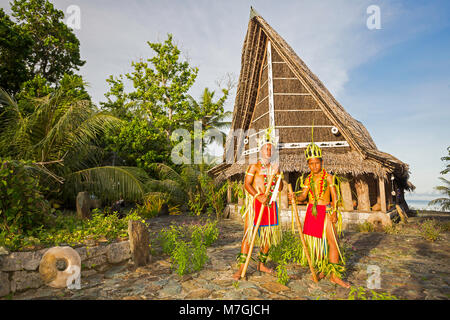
[320, 277]
[340, 282]
[263, 268]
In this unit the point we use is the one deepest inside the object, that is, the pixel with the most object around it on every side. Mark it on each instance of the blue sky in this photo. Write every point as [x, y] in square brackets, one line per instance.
[395, 80]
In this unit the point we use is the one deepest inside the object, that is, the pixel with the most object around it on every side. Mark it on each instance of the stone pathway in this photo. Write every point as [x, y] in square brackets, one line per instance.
[410, 268]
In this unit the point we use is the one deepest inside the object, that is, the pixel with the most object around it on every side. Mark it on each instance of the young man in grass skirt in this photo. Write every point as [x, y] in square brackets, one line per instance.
[321, 216]
[255, 184]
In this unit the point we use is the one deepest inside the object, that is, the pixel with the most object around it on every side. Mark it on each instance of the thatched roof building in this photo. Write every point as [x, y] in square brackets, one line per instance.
[277, 88]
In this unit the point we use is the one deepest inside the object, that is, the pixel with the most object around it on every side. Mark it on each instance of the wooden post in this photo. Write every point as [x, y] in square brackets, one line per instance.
[402, 214]
[382, 194]
[389, 193]
[83, 203]
[139, 242]
[346, 193]
[362, 191]
[284, 193]
[229, 192]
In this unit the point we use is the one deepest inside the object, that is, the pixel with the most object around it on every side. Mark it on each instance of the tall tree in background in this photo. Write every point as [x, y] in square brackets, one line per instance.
[55, 48]
[15, 50]
[156, 106]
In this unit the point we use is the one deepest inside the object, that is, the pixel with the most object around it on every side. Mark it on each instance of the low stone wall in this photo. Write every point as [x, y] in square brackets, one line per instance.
[19, 271]
[349, 219]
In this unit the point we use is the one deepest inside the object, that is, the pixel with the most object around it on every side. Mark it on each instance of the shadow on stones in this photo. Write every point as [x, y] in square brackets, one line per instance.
[366, 243]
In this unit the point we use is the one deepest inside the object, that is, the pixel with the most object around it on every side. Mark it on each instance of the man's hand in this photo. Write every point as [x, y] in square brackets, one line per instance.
[262, 198]
[290, 196]
[334, 217]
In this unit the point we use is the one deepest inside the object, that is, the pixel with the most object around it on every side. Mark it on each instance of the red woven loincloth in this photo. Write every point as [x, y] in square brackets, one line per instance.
[313, 226]
[267, 219]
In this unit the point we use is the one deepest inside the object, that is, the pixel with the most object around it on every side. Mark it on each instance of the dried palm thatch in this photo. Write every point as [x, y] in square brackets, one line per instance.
[296, 87]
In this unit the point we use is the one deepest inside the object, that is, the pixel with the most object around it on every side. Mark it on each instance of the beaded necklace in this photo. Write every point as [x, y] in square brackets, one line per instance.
[312, 189]
[272, 187]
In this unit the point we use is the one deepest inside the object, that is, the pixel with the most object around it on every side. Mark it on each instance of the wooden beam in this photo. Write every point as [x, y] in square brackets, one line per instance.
[362, 191]
[382, 194]
[270, 86]
[346, 193]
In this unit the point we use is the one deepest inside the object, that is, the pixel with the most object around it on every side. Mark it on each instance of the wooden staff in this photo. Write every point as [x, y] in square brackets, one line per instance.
[402, 214]
[299, 227]
[255, 230]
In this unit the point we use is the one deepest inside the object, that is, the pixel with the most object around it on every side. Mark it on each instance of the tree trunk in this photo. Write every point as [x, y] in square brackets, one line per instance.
[139, 242]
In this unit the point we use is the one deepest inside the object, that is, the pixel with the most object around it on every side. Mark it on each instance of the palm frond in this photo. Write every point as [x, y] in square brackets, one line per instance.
[167, 173]
[173, 191]
[108, 183]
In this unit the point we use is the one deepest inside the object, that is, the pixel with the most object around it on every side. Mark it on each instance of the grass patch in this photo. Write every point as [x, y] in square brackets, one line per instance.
[430, 230]
[393, 229]
[365, 227]
[360, 293]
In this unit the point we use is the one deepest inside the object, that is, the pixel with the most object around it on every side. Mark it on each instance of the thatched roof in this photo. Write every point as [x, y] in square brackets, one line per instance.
[299, 98]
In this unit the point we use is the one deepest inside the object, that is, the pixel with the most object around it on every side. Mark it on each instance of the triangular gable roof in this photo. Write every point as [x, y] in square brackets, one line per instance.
[253, 56]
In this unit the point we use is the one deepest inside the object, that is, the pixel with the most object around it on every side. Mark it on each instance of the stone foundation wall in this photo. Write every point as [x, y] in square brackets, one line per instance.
[19, 271]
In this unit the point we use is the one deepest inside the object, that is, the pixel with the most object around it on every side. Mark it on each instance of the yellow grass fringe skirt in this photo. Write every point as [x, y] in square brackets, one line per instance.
[266, 235]
[318, 250]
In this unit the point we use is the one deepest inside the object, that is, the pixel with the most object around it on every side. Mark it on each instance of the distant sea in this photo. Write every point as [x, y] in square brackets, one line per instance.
[421, 205]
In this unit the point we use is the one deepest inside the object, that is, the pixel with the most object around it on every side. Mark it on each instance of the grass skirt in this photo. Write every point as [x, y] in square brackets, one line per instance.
[318, 247]
[268, 233]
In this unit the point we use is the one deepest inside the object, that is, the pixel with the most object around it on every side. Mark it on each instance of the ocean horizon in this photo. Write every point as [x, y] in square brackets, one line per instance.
[421, 205]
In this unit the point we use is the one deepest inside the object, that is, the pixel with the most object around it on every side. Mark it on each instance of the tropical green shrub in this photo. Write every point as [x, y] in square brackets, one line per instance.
[22, 205]
[215, 194]
[196, 204]
[151, 207]
[68, 229]
[187, 245]
[289, 250]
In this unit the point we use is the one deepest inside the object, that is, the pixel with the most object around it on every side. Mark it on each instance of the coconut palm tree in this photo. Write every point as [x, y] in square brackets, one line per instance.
[211, 114]
[59, 136]
[445, 190]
